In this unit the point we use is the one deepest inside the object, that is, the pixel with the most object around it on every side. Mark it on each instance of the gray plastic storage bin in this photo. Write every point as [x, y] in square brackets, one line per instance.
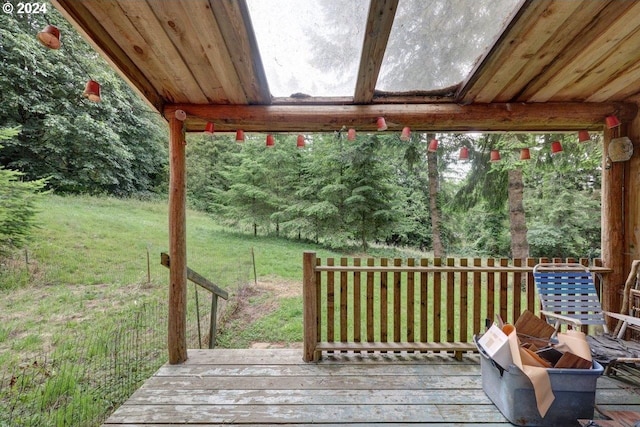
[512, 392]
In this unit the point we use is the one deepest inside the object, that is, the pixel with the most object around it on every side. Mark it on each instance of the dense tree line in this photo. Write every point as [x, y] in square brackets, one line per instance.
[376, 189]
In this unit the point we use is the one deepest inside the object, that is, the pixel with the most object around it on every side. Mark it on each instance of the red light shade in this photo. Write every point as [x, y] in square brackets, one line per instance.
[495, 156]
[92, 91]
[612, 121]
[50, 37]
[300, 143]
[433, 146]
[583, 136]
[406, 134]
[464, 154]
[239, 135]
[556, 147]
[525, 154]
[351, 134]
[209, 128]
[382, 124]
[270, 141]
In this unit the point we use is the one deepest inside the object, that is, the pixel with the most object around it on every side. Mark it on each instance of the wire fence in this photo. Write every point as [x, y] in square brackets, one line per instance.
[89, 375]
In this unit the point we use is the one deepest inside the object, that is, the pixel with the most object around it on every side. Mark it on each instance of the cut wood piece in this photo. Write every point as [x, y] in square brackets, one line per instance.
[572, 361]
[531, 325]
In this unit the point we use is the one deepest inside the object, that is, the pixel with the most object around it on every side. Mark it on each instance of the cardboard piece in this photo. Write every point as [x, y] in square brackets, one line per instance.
[575, 342]
[538, 375]
[496, 345]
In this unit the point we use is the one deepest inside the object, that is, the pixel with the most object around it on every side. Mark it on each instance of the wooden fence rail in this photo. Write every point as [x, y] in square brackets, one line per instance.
[414, 305]
[215, 290]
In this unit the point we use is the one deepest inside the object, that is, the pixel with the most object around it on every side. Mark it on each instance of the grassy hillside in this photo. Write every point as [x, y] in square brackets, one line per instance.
[88, 261]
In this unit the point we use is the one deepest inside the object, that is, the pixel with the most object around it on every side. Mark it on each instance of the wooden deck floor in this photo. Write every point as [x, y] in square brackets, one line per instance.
[274, 386]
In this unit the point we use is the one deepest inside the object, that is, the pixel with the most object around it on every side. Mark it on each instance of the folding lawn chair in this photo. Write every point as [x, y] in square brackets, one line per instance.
[568, 296]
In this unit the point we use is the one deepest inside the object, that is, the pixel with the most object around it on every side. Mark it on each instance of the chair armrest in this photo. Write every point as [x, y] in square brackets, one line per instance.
[626, 320]
[567, 319]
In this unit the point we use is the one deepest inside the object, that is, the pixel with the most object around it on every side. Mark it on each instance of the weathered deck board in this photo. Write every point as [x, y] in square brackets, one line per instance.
[274, 386]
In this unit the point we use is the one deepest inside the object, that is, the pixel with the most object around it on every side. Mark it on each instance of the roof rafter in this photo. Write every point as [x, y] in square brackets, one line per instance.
[379, 23]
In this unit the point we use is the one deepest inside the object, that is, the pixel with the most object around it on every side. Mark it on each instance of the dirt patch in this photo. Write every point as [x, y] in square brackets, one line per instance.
[251, 302]
[281, 288]
[254, 301]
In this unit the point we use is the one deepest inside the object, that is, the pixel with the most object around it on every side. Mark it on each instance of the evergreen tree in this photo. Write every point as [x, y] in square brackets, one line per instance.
[369, 181]
[17, 204]
[250, 199]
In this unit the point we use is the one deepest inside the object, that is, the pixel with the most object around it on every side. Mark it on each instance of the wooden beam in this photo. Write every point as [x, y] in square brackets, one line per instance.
[379, 23]
[613, 227]
[513, 34]
[502, 117]
[196, 278]
[177, 322]
[236, 28]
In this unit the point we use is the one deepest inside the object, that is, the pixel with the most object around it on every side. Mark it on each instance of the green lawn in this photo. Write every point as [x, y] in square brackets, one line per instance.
[87, 262]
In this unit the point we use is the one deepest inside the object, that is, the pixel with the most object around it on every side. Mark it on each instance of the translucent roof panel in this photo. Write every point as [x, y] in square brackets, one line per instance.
[435, 44]
[310, 47]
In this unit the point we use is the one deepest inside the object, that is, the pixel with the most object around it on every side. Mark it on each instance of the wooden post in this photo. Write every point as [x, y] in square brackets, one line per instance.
[176, 341]
[613, 227]
[310, 307]
[213, 322]
[632, 206]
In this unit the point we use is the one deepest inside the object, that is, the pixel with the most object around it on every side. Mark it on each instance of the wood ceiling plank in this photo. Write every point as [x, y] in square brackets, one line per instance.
[127, 37]
[379, 24]
[538, 63]
[625, 85]
[165, 52]
[205, 26]
[139, 33]
[182, 25]
[591, 47]
[623, 56]
[605, 18]
[532, 38]
[236, 28]
[94, 33]
[420, 117]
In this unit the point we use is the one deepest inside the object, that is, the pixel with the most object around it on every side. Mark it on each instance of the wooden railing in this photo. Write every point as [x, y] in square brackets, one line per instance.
[366, 305]
[215, 290]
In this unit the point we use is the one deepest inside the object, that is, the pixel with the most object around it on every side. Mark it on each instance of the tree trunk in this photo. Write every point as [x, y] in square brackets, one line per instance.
[517, 220]
[363, 233]
[434, 183]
